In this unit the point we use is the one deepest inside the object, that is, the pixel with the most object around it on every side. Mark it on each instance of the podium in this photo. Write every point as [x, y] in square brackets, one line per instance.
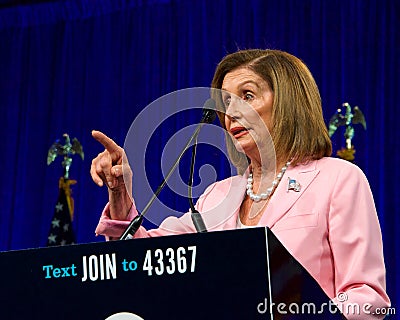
[235, 274]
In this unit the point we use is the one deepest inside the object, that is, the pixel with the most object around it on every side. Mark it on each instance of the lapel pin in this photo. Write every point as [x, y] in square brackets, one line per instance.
[293, 185]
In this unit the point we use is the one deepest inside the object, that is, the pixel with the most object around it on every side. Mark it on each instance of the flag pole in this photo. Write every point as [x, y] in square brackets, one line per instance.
[61, 232]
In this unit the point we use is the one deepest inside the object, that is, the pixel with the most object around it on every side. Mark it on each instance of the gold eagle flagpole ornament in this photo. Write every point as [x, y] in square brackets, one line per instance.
[347, 119]
[66, 150]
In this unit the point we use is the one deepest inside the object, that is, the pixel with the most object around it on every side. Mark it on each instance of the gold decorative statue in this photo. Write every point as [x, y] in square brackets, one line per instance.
[347, 119]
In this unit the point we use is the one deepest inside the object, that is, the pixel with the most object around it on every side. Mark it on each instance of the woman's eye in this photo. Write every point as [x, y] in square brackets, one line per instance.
[227, 101]
[248, 96]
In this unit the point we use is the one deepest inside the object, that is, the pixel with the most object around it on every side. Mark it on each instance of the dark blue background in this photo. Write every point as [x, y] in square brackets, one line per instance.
[73, 66]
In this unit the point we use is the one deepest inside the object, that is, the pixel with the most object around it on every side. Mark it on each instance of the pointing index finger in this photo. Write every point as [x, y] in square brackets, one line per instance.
[107, 142]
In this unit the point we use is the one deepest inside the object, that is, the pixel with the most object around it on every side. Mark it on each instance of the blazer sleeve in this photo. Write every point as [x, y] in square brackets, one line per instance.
[356, 244]
[113, 229]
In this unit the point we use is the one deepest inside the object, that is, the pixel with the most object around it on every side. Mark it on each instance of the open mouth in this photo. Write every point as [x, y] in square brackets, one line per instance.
[237, 132]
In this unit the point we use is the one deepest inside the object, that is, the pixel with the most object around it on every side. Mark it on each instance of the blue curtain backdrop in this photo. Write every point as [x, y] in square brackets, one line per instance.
[73, 66]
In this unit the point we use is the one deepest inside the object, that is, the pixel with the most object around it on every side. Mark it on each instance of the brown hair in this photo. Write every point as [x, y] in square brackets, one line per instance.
[299, 132]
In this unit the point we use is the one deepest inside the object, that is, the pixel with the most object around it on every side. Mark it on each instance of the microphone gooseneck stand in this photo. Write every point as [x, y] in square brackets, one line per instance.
[195, 215]
[208, 117]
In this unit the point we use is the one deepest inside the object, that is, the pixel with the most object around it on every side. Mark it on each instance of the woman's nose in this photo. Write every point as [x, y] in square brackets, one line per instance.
[233, 110]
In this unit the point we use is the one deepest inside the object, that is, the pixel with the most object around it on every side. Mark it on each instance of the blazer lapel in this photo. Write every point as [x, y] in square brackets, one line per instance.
[283, 199]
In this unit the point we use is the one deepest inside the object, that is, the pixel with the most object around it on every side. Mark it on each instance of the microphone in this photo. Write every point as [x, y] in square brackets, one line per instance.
[208, 116]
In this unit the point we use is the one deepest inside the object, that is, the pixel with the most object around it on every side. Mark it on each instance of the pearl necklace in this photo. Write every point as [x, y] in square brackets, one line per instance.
[270, 190]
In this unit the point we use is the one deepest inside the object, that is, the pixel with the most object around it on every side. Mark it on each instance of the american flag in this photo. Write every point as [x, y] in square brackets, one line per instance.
[61, 232]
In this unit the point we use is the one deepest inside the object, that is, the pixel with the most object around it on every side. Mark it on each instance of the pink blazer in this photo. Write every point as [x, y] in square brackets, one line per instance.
[330, 226]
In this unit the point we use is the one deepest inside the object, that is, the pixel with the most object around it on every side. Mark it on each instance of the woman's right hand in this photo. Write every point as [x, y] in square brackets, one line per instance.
[107, 169]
